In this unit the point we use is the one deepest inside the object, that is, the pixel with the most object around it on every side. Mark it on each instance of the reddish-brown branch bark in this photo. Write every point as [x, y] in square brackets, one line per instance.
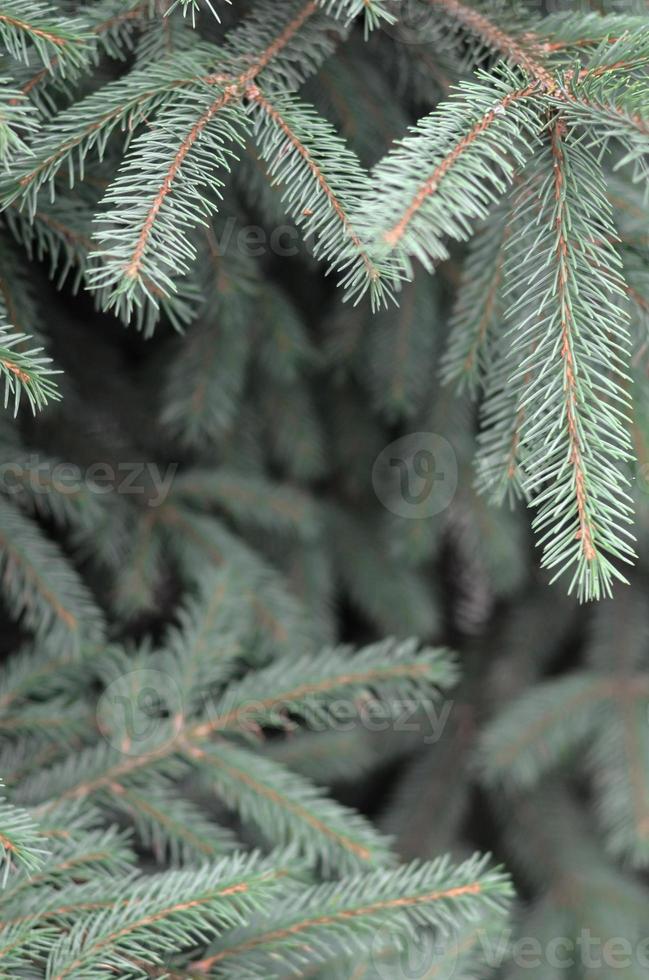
[525, 51]
[430, 186]
[253, 93]
[571, 396]
[235, 88]
[407, 901]
[134, 265]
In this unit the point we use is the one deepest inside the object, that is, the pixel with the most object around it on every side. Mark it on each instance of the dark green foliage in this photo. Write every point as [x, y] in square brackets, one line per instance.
[193, 515]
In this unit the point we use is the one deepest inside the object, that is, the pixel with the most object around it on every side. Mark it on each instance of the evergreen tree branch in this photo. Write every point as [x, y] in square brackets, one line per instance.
[302, 151]
[59, 41]
[252, 501]
[618, 761]
[290, 810]
[572, 470]
[375, 12]
[42, 671]
[314, 682]
[174, 829]
[19, 840]
[619, 110]
[18, 124]
[308, 690]
[165, 913]
[200, 543]
[141, 249]
[484, 132]
[479, 307]
[539, 730]
[526, 52]
[111, 27]
[88, 124]
[25, 371]
[348, 915]
[42, 587]
[192, 7]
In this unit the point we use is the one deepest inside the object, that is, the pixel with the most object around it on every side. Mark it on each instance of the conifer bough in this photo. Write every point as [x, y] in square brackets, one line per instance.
[563, 101]
[131, 132]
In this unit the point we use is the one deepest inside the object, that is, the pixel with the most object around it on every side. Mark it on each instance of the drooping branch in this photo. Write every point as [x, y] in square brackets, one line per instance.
[432, 183]
[525, 52]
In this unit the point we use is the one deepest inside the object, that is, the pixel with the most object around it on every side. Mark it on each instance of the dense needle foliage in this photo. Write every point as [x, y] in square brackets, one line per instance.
[233, 739]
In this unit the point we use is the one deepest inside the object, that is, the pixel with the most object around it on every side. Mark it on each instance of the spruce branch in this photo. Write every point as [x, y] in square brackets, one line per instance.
[43, 670]
[305, 156]
[346, 916]
[60, 233]
[281, 52]
[25, 371]
[537, 732]
[613, 109]
[312, 684]
[202, 648]
[59, 42]
[88, 124]
[193, 8]
[72, 502]
[469, 149]
[41, 587]
[208, 370]
[307, 690]
[19, 841]
[479, 307]
[501, 453]
[59, 905]
[582, 29]
[19, 944]
[111, 26]
[174, 829]
[523, 51]
[56, 721]
[621, 774]
[601, 707]
[290, 810]
[200, 543]
[376, 13]
[141, 249]
[143, 246]
[400, 602]
[18, 124]
[252, 500]
[165, 913]
[576, 435]
[75, 854]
